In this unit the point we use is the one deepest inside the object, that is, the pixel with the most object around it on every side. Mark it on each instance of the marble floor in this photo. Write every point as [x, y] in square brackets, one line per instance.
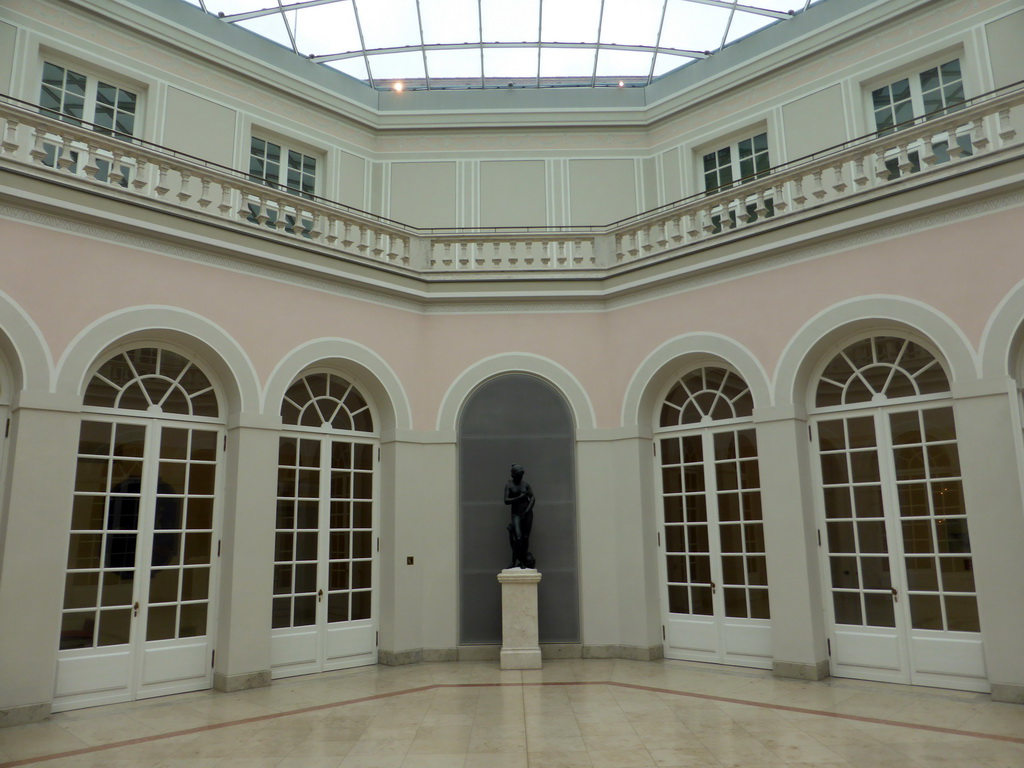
[592, 713]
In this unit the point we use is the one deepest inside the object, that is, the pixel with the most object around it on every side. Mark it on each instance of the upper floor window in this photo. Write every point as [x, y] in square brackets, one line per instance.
[927, 94]
[83, 98]
[740, 161]
[931, 93]
[282, 167]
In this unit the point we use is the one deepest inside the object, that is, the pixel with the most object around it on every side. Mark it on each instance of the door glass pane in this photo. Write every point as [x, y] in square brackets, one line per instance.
[183, 540]
[855, 522]
[685, 520]
[935, 538]
[297, 531]
[103, 539]
[351, 550]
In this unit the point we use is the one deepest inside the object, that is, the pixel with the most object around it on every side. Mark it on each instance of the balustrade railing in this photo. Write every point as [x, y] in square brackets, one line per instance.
[123, 165]
[846, 171]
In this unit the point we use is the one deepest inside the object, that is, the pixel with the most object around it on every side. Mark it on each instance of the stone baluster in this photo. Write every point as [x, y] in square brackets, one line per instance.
[331, 234]
[955, 150]
[927, 152]
[38, 151]
[760, 209]
[692, 229]
[66, 155]
[161, 188]
[905, 165]
[708, 225]
[183, 193]
[205, 200]
[349, 233]
[316, 231]
[10, 145]
[92, 166]
[1007, 133]
[528, 259]
[819, 190]
[881, 169]
[860, 178]
[839, 179]
[560, 252]
[799, 198]
[299, 227]
[779, 204]
[979, 136]
[545, 249]
[224, 207]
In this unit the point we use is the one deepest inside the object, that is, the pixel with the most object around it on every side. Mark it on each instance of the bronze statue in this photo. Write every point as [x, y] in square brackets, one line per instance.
[519, 496]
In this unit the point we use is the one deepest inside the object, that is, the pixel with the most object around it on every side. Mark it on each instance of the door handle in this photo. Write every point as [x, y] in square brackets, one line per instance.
[319, 595]
[895, 596]
[713, 588]
[135, 608]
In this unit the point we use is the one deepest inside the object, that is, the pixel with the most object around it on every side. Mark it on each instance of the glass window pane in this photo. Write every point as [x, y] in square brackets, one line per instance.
[962, 614]
[192, 621]
[115, 627]
[360, 605]
[847, 608]
[926, 612]
[879, 610]
[921, 574]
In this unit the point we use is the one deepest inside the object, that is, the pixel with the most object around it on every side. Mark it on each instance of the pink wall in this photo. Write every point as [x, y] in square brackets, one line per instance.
[65, 282]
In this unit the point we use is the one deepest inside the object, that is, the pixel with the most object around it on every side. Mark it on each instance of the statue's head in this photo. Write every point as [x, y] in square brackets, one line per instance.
[518, 472]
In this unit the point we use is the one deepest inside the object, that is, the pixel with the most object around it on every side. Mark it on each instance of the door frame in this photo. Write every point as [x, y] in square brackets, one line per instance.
[726, 631]
[134, 652]
[317, 661]
[901, 638]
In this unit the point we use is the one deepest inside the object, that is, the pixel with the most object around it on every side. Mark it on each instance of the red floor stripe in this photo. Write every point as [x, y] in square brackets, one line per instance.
[393, 694]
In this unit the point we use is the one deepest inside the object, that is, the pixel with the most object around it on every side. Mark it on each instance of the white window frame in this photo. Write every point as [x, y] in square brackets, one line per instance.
[97, 162]
[732, 142]
[912, 72]
[285, 147]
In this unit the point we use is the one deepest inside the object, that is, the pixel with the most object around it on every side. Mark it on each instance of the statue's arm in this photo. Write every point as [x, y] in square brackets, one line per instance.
[509, 497]
[533, 499]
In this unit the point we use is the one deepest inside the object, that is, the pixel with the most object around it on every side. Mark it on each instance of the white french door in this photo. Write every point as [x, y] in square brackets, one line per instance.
[896, 548]
[712, 563]
[137, 618]
[324, 614]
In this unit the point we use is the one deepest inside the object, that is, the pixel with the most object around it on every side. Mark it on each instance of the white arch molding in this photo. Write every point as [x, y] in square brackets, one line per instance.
[515, 362]
[24, 352]
[1002, 342]
[833, 328]
[665, 363]
[213, 348]
[369, 371]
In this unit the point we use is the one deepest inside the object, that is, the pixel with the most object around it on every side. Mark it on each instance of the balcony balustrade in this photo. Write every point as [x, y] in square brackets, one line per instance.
[45, 145]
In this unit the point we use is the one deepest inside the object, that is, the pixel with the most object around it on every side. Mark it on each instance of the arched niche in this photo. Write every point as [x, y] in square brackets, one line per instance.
[517, 418]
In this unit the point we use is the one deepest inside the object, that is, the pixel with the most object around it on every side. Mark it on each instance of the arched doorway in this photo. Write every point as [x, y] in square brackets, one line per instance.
[517, 418]
[895, 545]
[711, 535]
[137, 616]
[325, 551]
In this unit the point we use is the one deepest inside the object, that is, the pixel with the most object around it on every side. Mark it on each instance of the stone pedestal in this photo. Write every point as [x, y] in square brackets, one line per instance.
[520, 648]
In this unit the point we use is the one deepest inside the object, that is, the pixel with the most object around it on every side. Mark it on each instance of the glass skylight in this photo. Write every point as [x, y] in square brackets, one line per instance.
[444, 44]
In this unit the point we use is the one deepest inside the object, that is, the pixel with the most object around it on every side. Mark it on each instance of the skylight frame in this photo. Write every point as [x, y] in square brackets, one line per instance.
[662, 51]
